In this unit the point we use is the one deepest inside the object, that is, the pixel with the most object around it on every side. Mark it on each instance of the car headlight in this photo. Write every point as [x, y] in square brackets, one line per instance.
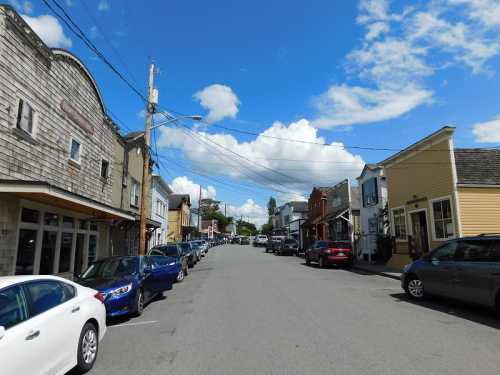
[121, 290]
[407, 267]
[172, 264]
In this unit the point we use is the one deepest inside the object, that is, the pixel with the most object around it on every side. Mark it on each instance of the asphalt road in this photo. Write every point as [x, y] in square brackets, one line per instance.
[241, 311]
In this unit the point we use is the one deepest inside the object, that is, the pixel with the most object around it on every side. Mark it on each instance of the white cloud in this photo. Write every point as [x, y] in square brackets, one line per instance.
[282, 166]
[183, 185]
[49, 30]
[103, 5]
[249, 211]
[400, 50]
[219, 100]
[22, 6]
[487, 132]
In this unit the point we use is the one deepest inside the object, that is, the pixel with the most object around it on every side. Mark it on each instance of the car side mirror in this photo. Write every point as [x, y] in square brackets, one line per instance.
[2, 332]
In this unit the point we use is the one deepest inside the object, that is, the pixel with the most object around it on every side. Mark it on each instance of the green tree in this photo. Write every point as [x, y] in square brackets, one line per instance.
[208, 207]
[244, 228]
[267, 228]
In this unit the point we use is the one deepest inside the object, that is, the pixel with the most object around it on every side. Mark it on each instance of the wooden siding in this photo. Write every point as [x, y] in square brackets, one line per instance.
[479, 210]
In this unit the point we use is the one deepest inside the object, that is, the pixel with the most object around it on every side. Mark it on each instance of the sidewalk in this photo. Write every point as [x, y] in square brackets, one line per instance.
[378, 269]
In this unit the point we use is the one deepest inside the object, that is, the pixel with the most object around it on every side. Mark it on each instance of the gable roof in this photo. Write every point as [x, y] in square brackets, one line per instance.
[175, 201]
[368, 167]
[477, 166]
[299, 206]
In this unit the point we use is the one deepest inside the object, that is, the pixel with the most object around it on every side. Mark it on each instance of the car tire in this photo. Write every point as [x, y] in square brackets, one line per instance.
[321, 262]
[414, 287]
[88, 347]
[180, 276]
[308, 261]
[139, 303]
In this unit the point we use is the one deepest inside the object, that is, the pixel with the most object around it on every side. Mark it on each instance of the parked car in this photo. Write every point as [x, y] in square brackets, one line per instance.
[326, 253]
[235, 240]
[260, 240]
[465, 269]
[49, 325]
[129, 282]
[244, 240]
[273, 245]
[288, 247]
[196, 246]
[189, 252]
[173, 251]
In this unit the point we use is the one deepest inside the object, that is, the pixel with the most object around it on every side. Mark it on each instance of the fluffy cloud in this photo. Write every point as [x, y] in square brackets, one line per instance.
[49, 30]
[290, 168]
[400, 49]
[219, 100]
[488, 131]
[103, 5]
[249, 211]
[183, 185]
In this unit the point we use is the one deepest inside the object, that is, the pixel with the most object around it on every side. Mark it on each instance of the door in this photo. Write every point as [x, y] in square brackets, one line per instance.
[475, 271]
[79, 254]
[438, 270]
[419, 230]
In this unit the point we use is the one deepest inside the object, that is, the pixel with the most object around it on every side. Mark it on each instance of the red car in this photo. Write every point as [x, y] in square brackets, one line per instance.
[326, 253]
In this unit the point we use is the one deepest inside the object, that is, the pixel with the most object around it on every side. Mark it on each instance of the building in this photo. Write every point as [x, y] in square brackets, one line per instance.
[373, 219]
[314, 228]
[291, 215]
[231, 229]
[179, 226]
[160, 192]
[210, 228]
[57, 159]
[437, 192]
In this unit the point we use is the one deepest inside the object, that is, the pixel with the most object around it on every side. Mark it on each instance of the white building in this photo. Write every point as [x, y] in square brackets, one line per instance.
[160, 191]
[373, 189]
[290, 213]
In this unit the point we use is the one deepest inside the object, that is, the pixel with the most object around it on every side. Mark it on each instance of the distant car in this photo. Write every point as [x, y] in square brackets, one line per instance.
[189, 252]
[288, 247]
[327, 253]
[235, 240]
[260, 240]
[273, 245]
[173, 251]
[244, 240]
[129, 282]
[465, 269]
[196, 245]
[49, 325]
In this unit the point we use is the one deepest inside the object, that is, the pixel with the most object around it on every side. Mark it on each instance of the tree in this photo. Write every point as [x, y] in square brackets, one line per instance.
[245, 228]
[267, 228]
[208, 207]
[271, 207]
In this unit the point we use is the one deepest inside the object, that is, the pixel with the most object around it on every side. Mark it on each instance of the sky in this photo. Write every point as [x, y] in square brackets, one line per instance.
[293, 94]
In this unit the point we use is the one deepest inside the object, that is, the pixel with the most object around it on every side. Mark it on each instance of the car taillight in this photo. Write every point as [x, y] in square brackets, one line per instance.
[100, 296]
[327, 251]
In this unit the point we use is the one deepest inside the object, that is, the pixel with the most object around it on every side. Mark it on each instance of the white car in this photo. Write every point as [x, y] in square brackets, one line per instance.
[48, 325]
[260, 240]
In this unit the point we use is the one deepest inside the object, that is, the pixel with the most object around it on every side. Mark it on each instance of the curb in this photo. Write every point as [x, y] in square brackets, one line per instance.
[380, 273]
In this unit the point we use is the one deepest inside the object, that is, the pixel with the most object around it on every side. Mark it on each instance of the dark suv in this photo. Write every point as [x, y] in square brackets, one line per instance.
[466, 269]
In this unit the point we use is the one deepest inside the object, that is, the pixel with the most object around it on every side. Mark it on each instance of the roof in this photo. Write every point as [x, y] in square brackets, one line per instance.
[132, 136]
[324, 189]
[300, 206]
[175, 200]
[477, 166]
[368, 167]
[162, 183]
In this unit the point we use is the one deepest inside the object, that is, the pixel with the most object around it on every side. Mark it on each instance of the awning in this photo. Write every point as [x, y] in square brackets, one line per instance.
[46, 193]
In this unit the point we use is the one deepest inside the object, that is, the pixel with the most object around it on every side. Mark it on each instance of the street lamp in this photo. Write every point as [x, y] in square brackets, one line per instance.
[192, 117]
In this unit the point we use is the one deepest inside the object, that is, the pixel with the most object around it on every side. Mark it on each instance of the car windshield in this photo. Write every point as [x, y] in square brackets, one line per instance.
[289, 242]
[115, 267]
[169, 250]
[185, 246]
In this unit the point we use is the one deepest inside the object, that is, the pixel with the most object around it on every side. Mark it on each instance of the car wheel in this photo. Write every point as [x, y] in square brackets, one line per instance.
[180, 276]
[88, 347]
[139, 303]
[415, 287]
[308, 261]
[322, 263]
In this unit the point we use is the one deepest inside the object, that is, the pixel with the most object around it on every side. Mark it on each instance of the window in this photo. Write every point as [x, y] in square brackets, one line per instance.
[48, 252]
[25, 117]
[65, 253]
[445, 252]
[399, 220]
[68, 222]
[30, 216]
[370, 192]
[92, 254]
[50, 219]
[75, 150]
[443, 221]
[134, 194]
[13, 307]
[46, 295]
[104, 169]
[26, 252]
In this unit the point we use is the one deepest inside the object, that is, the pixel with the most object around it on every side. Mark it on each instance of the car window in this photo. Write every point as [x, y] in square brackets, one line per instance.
[145, 264]
[159, 260]
[114, 267]
[46, 294]
[445, 252]
[476, 251]
[13, 307]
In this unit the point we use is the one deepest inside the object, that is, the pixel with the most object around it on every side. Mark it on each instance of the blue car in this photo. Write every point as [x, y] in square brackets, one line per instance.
[129, 282]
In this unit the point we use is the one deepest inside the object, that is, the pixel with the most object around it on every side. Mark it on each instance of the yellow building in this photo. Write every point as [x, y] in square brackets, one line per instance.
[178, 217]
[437, 192]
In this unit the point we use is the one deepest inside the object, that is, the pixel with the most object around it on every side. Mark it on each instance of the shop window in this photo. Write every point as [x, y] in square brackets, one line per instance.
[65, 253]
[92, 254]
[30, 216]
[75, 150]
[50, 219]
[25, 115]
[68, 222]
[443, 220]
[104, 169]
[399, 222]
[83, 224]
[26, 252]
[93, 226]
[48, 253]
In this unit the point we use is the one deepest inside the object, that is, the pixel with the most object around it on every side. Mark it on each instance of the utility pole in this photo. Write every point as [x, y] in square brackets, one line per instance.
[145, 168]
[199, 211]
[225, 209]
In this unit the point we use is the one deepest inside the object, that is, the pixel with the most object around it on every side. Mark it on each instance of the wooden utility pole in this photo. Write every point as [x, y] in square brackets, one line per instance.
[145, 169]
[199, 211]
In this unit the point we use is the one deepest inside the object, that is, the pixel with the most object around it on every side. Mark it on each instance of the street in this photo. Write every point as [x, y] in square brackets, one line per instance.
[241, 311]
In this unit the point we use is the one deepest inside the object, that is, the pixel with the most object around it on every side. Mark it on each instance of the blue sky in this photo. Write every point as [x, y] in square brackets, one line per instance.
[370, 73]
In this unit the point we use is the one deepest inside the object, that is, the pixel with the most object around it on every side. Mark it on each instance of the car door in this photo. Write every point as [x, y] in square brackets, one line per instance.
[148, 282]
[437, 271]
[475, 266]
[163, 274]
